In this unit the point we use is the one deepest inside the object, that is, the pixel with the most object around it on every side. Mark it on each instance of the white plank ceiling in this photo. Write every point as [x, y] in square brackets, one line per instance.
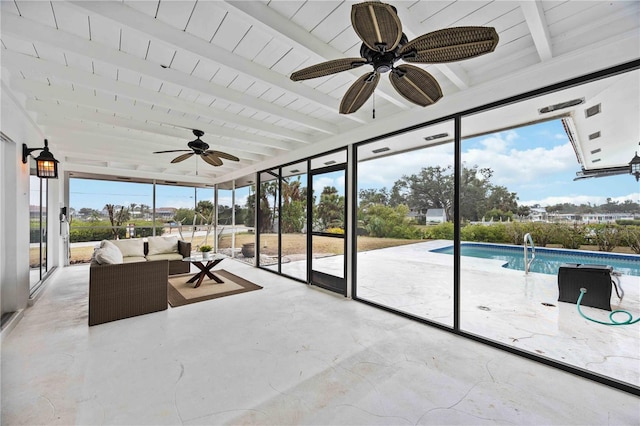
[110, 82]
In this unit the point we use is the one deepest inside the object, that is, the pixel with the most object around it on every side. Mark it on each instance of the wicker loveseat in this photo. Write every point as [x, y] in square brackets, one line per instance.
[123, 283]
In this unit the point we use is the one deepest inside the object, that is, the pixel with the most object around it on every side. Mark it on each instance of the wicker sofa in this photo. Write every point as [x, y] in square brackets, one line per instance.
[130, 284]
[175, 266]
[126, 290]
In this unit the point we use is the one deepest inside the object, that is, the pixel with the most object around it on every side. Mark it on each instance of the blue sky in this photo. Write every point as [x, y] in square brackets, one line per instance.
[537, 162]
[95, 194]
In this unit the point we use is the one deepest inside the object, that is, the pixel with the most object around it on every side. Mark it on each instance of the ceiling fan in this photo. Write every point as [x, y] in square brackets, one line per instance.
[378, 26]
[201, 148]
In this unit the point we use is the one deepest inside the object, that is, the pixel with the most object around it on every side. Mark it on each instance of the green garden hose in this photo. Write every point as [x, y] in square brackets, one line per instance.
[613, 321]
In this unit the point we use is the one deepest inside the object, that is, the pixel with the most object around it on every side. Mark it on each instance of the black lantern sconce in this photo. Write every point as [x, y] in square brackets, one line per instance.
[46, 164]
[634, 166]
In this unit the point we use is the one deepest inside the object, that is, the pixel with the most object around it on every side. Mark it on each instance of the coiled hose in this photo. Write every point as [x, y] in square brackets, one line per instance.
[612, 320]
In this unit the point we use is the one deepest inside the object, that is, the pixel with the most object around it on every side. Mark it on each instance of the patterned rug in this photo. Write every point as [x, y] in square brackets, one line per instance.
[182, 293]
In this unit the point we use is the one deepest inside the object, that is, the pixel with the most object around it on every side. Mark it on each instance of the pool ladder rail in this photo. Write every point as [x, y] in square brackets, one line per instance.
[527, 262]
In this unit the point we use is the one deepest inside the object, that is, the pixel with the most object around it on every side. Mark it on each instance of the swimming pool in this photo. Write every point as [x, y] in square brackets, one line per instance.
[547, 260]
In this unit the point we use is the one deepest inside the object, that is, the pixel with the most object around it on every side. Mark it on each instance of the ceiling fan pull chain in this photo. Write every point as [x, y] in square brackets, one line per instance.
[374, 105]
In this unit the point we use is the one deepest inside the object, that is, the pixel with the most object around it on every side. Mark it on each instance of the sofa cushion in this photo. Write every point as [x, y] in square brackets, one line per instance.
[164, 256]
[130, 248]
[162, 245]
[133, 259]
[108, 254]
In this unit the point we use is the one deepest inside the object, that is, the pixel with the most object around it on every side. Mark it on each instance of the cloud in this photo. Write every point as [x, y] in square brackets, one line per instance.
[384, 171]
[321, 183]
[226, 201]
[581, 199]
[513, 166]
[179, 203]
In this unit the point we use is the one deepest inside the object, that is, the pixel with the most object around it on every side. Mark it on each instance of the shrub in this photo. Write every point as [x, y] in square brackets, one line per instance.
[543, 233]
[101, 230]
[441, 231]
[607, 237]
[630, 237]
[515, 232]
[495, 233]
[626, 222]
[570, 236]
[389, 222]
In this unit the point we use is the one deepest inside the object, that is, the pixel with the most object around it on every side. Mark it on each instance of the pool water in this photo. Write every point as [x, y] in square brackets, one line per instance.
[547, 261]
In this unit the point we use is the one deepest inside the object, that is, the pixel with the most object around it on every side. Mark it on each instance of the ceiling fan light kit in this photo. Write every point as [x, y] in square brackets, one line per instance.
[383, 44]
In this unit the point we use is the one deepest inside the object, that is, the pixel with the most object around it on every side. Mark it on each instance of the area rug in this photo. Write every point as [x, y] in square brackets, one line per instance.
[182, 293]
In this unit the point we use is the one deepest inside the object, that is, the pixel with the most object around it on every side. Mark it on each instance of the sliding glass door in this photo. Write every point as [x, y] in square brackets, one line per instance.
[37, 229]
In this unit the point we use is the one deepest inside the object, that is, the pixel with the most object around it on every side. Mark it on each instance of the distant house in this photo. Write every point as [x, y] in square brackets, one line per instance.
[436, 216]
[415, 215]
[34, 211]
[165, 212]
[537, 214]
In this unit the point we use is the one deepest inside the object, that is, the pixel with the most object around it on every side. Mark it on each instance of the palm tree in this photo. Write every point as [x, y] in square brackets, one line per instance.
[117, 218]
[144, 209]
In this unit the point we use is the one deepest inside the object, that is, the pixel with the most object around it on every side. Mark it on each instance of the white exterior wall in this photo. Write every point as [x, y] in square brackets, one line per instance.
[18, 127]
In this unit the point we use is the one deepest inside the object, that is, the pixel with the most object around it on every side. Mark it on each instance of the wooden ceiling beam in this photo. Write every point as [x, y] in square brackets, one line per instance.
[33, 31]
[146, 25]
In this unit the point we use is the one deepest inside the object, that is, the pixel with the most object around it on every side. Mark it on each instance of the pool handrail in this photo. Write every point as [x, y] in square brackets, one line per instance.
[527, 263]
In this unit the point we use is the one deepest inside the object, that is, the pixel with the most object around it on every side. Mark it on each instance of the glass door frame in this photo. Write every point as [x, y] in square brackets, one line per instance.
[326, 281]
[43, 232]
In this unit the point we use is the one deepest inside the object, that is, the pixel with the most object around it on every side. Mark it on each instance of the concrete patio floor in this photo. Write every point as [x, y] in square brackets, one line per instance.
[504, 305]
[287, 354]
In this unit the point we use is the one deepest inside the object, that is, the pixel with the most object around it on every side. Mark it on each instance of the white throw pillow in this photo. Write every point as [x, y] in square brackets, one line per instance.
[108, 254]
[162, 245]
[128, 248]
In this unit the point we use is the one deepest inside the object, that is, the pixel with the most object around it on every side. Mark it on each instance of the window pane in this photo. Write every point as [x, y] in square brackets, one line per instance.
[244, 232]
[294, 220]
[519, 186]
[268, 217]
[90, 202]
[405, 210]
[225, 230]
[36, 232]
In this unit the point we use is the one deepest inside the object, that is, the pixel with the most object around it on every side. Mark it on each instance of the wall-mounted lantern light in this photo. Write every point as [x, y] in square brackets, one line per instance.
[46, 164]
[634, 166]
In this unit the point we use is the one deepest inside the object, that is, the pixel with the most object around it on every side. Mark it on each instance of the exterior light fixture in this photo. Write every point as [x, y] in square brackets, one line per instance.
[634, 166]
[46, 164]
[561, 105]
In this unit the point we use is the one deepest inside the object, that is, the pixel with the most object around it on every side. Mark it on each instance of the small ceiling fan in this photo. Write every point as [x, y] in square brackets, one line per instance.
[201, 148]
[378, 26]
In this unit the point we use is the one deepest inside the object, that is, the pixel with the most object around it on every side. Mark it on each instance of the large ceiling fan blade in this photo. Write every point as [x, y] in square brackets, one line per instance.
[327, 68]
[377, 24]
[224, 155]
[211, 159]
[450, 44]
[182, 157]
[415, 85]
[173, 150]
[359, 92]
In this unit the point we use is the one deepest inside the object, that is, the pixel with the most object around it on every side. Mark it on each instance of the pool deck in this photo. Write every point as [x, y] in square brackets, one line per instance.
[504, 305]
